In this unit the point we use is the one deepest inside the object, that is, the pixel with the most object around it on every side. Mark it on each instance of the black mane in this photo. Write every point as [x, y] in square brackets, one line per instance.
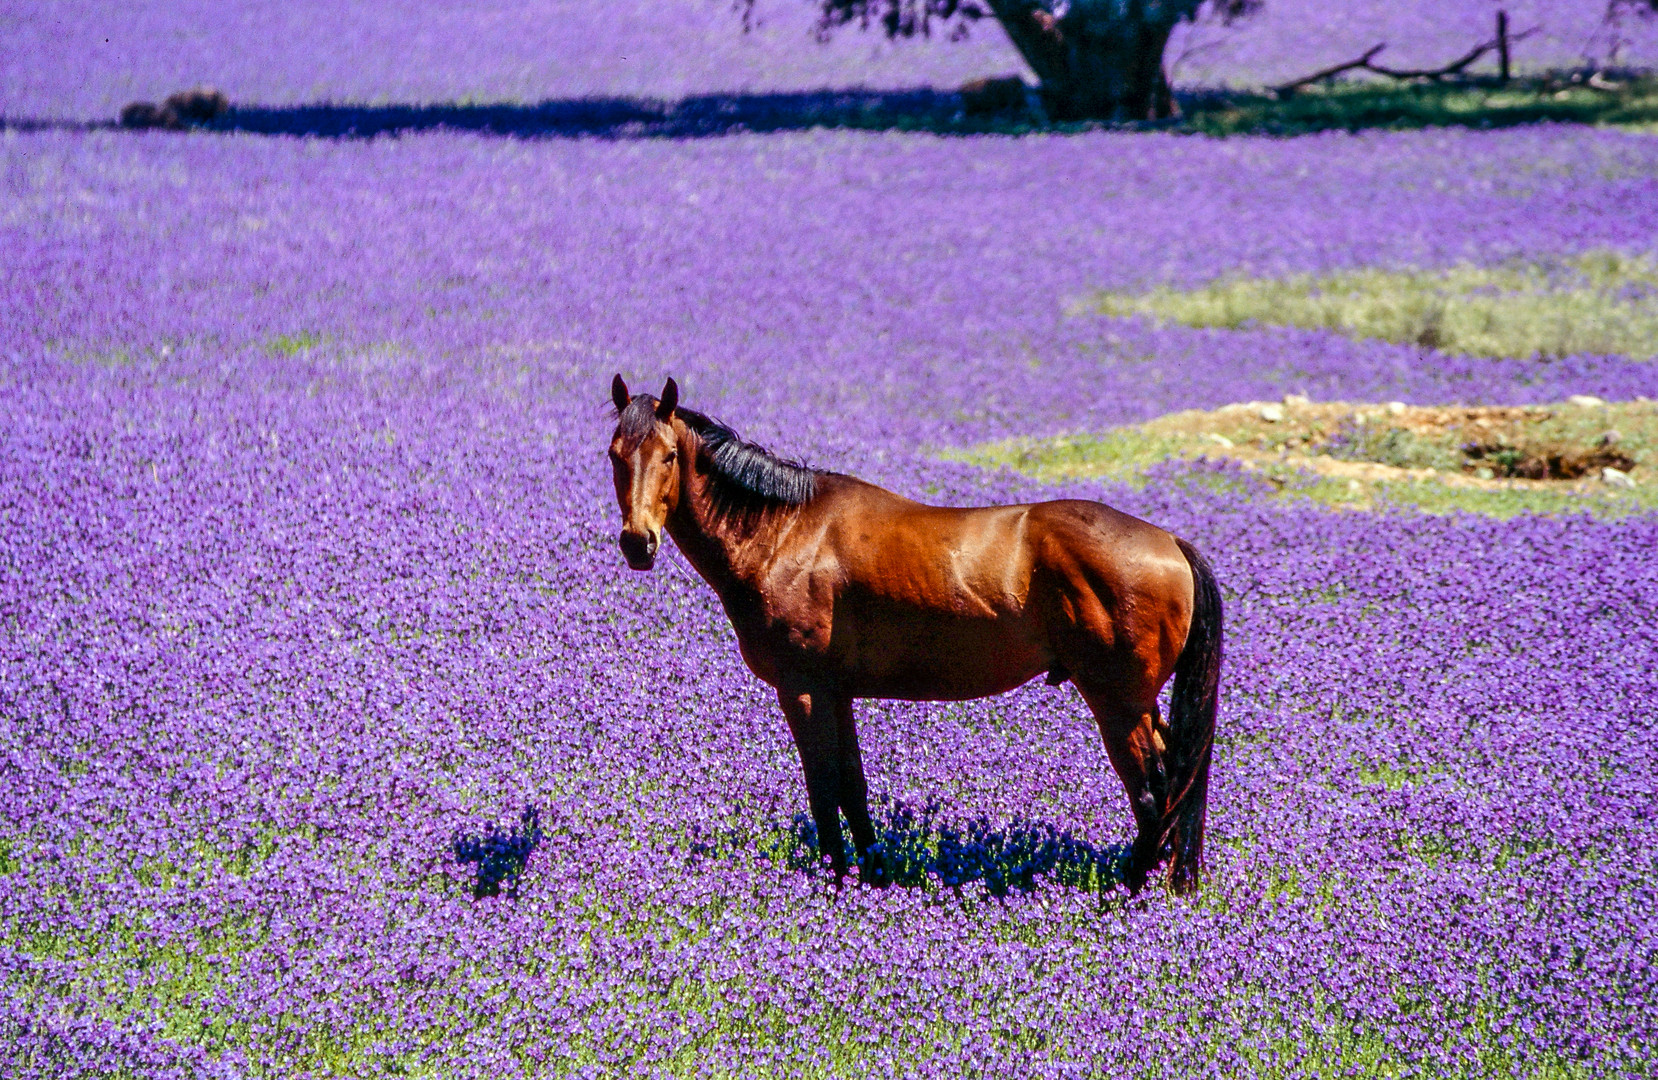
[747, 479]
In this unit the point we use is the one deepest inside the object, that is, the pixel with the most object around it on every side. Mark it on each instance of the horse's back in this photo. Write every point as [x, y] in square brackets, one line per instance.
[993, 554]
[943, 602]
[967, 559]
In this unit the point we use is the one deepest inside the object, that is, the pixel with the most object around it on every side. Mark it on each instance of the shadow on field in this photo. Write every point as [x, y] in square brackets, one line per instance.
[1623, 97]
[498, 856]
[627, 118]
[920, 848]
[705, 115]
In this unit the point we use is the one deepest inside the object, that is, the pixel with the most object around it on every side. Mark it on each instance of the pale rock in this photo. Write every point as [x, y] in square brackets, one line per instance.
[1296, 401]
[1616, 478]
[1218, 439]
[1271, 413]
[1396, 408]
[1585, 401]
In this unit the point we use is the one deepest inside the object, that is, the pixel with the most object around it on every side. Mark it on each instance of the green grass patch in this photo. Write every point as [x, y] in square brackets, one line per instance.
[1495, 461]
[292, 344]
[1358, 105]
[1600, 302]
[1383, 775]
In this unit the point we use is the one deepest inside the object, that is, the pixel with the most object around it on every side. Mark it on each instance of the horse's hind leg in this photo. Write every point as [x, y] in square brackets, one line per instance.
[1133, 740]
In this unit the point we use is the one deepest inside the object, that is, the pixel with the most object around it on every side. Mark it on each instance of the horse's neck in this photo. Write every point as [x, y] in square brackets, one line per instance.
[728, 555]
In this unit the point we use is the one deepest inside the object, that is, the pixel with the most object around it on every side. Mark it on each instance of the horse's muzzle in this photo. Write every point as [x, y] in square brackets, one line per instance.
[639, 549]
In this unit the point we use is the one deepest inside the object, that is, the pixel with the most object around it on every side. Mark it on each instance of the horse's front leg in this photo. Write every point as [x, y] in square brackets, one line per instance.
[812, 722]
[854, 792]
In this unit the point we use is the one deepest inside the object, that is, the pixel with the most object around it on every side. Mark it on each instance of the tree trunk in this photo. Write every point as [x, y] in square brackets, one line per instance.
[1100, 59]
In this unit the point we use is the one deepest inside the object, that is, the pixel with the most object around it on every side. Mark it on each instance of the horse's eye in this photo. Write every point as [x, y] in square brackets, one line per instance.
[669, 457]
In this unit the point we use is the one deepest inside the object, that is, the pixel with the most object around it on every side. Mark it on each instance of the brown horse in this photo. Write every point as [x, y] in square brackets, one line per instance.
[839, 589]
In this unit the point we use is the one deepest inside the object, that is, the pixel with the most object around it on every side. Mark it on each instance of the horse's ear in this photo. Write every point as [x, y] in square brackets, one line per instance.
[670, 399]
[619, 393]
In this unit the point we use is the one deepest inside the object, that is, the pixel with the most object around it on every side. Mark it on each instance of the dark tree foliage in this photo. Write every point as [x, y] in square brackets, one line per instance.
[1096, 59]
[902, 18]
[919, 18]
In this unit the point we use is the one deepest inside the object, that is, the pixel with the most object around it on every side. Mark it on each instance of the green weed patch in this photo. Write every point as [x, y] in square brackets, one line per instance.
[1357, 105]
[1601, 303]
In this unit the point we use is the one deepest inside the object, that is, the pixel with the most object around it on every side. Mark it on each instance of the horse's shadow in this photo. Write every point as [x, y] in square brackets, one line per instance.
[499, 856]
[921, 849]
[699, 116]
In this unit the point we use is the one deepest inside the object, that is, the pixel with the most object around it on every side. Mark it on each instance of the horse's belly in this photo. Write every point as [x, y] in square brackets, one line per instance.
[940, 659]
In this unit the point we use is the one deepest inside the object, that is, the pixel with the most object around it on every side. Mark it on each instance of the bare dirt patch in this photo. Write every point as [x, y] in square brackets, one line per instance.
[1582, 454]
[1491, 446]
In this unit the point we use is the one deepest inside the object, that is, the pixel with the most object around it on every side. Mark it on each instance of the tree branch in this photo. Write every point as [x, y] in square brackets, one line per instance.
[1364, 63]
[1456, 66]
[1289, 88]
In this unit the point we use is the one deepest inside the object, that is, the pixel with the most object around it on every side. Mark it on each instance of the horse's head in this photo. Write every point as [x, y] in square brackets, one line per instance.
[644, 455]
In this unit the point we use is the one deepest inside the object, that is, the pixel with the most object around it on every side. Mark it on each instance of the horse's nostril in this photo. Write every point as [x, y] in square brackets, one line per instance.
[638, 548]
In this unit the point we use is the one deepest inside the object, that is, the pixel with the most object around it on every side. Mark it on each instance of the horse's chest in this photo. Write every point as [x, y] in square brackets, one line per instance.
[784, 634]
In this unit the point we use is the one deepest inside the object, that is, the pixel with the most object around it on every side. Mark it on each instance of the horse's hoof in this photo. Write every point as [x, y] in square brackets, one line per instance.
[873, 872]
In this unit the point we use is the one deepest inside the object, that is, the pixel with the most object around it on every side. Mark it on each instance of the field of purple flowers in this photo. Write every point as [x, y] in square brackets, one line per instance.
[309, 591]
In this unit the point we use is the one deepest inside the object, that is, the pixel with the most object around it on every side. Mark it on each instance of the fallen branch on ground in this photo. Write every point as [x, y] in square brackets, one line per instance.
[1365, 63]
[1290, 88]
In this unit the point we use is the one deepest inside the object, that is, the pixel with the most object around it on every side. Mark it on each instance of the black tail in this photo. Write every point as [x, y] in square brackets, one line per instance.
[1192, 709]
